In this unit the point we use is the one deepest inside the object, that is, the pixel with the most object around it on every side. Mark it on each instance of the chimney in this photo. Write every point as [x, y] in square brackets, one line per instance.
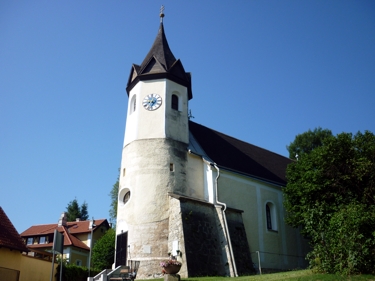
[78, 219]
[63, 220]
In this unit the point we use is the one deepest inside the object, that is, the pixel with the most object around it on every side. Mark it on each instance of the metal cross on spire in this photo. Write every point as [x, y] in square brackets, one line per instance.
[161, 13]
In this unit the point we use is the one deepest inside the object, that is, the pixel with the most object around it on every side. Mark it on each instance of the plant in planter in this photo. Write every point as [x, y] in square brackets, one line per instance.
[170, 266]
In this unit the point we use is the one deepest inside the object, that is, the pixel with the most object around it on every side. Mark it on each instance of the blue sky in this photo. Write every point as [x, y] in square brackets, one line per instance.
[263, 72]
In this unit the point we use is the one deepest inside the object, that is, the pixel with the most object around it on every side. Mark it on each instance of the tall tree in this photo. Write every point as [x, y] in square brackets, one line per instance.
[75, 211]
[103, 251]
[84, 211]
[307, 142]
[114, 199]
[330, 194]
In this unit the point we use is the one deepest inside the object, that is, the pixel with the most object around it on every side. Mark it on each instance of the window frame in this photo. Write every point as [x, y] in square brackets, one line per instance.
[126, 197]
[271, 217]
[133, 104]
[175, 102]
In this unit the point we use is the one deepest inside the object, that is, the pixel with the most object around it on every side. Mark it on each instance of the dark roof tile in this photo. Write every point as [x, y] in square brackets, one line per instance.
[9, 237]
[160, 63]
[233, 154]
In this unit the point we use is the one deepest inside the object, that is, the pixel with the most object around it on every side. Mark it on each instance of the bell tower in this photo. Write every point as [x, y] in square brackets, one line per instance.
[154, 155]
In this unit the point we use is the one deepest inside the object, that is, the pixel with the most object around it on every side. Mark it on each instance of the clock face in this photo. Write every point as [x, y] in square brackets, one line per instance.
[152, 102]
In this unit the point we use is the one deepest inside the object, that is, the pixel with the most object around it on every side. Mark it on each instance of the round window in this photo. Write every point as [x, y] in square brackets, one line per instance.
[126, 197]
[123, 196]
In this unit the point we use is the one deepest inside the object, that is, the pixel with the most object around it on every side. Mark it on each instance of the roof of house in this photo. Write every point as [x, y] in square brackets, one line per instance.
[74, 227]
[9, 236]
[160, 63]
[69, 240]
[239, 156]
[69, 231]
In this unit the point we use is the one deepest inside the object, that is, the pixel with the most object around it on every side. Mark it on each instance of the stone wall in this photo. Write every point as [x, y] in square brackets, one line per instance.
[204, 242]
[240, 246]
[176, 234]
[149, 244]
[199, 228]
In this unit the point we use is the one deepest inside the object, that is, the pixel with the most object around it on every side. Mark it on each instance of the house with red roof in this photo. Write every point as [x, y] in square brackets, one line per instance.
[79, 236]
[11, 248]
[16, 262]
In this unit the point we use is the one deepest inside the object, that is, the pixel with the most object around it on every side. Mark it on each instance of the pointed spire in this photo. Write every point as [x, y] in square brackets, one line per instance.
[160, 51]
[160, 63]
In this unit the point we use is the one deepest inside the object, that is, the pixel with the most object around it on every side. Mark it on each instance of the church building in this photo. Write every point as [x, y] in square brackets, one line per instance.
[212, 201]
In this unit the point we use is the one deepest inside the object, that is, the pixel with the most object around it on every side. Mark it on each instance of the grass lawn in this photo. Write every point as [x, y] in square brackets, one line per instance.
[300, 275]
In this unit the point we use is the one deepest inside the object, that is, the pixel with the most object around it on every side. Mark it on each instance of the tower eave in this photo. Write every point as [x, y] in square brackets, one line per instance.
[165, 75]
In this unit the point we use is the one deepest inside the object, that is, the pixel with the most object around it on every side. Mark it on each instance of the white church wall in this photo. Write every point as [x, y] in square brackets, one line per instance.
[195, 181]
[278, 246]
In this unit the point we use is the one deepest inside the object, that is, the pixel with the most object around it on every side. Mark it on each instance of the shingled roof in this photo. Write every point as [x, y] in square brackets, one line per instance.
[239, 156]
[9, 237]
[69, 231]
[160, 63]
[74, 227]
[69, 240]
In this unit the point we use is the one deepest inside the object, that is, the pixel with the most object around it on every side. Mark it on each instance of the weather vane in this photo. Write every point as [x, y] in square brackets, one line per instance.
[161, 13]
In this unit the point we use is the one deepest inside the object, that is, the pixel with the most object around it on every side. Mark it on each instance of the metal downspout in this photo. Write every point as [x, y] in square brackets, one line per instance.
[224, 216]
[225, 221]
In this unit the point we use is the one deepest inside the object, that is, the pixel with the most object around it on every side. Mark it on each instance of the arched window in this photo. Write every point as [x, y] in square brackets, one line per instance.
[271, 216]
[175, 102]
[133, 104]
[124, 197]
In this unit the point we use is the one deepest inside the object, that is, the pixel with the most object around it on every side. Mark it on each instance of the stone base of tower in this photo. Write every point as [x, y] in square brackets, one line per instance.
[172, 277]
[148, 243]
[150, 269]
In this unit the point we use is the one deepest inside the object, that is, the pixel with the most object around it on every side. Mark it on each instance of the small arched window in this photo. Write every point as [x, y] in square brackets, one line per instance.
[133, 104]
[271, 216]
[175, 102]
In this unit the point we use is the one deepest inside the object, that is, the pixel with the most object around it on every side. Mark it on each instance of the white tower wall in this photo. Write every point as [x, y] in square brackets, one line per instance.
[154, 161]
[163, 122]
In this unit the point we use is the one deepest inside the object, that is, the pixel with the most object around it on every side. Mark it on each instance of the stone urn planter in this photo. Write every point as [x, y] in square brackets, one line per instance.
[172, 268]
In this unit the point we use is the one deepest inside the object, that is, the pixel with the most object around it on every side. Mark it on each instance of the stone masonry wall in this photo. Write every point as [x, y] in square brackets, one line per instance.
[176, 234]
[148, 249]
[240, 246]
[204, 244]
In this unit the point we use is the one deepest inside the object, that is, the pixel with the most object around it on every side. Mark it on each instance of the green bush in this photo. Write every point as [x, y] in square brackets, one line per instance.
[73, 272]
[104, 250]
[348, 243]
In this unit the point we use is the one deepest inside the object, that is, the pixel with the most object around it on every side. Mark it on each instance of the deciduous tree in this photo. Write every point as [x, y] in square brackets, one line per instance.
[104, 250]
[330, 194]
[114, 195]
[307, 142]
